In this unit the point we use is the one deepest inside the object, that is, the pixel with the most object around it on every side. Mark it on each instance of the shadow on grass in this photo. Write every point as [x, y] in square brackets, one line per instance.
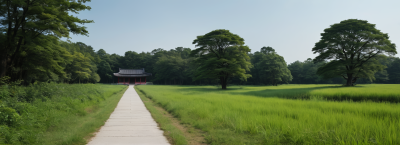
[288, 93]
[294, 93]
[291, 93]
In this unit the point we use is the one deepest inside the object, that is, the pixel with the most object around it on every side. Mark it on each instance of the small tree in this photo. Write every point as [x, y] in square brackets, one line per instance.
[352, 47]
[221, 55]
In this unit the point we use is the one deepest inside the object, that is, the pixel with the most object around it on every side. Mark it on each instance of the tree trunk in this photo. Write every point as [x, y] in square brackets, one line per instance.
[354, 80]
[349, 80]
[3, 65]
[223, 82]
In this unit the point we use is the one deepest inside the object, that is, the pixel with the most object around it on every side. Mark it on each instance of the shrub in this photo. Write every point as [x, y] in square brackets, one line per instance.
[8, 116]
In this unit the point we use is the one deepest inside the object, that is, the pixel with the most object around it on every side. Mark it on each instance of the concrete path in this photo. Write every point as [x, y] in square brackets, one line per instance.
[130, 123]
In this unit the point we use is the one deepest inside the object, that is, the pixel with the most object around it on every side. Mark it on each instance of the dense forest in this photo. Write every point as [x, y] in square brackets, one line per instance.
[175, 66]
[80, 63]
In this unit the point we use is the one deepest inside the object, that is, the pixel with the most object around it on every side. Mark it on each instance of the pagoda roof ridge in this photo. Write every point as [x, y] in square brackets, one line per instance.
[123, 71]
[129, 69]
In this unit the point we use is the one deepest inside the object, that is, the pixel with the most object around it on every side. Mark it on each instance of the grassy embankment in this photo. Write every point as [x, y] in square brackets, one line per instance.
[259, 115]
[49, 113]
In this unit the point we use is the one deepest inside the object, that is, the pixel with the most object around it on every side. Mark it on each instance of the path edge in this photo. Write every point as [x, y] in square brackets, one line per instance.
[176, 133]
[91, 135]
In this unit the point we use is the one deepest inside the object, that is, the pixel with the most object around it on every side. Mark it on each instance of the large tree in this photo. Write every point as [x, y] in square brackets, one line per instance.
[352, 47]
[221, 55]
[26, 23]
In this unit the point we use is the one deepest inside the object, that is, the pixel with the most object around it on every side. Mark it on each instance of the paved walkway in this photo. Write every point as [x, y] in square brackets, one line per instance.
[130, 123]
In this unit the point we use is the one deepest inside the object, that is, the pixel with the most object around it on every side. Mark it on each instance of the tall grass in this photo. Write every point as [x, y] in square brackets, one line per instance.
[41, 112]
[373, 92]
[256, 115]
[369, 92]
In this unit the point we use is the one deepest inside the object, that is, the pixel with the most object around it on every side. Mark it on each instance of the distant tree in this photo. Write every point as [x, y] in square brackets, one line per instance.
[393, 70]
[296, 69]
[94, 76]
[80, 68]
[309, 71]
[103, 55]
[382, 76]
[172, 66]
[305, 72]
[104, 71]
[267, 50]
[272, 68]
[353, 47]
[115, 62]
[168, 68]
[88, 51]
[130, 60]
[221, 55]
[184, 52]
[104, 68]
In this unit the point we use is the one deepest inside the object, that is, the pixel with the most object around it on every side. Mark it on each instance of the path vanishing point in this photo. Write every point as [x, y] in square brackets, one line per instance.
[130, 123]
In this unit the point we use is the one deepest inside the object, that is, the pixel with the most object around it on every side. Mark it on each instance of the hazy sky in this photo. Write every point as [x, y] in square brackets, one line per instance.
[290, 27]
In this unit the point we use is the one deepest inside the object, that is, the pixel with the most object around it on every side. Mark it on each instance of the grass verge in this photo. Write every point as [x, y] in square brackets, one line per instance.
[176, 132]
[80, 130]
[50, 113]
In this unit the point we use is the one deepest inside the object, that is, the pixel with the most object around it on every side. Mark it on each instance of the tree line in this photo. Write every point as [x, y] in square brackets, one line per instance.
[305, 72]
[176, 66]
[80, 63]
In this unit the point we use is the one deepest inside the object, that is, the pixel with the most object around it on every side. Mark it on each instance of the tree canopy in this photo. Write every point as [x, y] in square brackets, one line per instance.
[352, 48]
[30, 30]
[221, 55]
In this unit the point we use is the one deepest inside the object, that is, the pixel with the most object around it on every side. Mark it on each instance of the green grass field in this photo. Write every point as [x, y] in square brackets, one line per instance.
[264, 115]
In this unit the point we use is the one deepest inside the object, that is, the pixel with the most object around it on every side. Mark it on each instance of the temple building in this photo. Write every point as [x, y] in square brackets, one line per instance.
[132, 76]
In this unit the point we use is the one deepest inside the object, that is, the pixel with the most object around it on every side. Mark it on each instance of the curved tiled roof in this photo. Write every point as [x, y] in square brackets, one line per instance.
[134, 75]
[131, 73]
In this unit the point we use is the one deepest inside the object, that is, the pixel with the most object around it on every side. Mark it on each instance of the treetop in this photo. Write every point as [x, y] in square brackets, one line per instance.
[216, 42]
[218, 37]
[352, 36]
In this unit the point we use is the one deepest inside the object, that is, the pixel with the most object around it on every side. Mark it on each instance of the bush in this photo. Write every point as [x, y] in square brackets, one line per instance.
[8, 116]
